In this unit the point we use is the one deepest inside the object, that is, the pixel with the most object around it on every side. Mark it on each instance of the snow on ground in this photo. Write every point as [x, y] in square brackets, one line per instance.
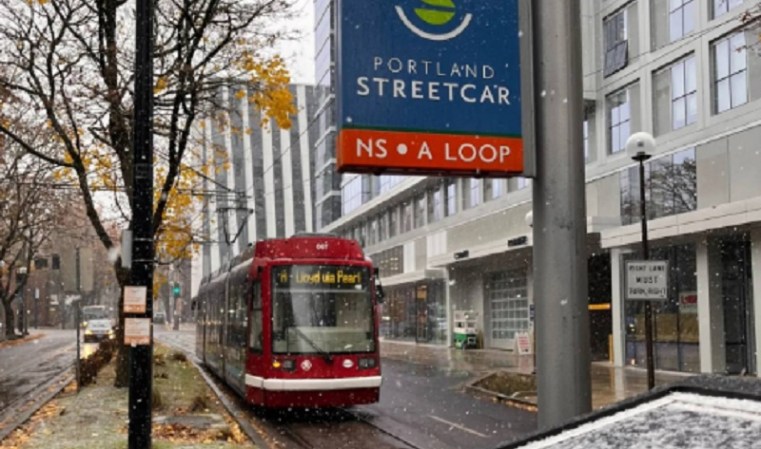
[676, 421]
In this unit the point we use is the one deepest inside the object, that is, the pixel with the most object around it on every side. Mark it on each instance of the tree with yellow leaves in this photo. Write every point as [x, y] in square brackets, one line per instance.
[69, 66]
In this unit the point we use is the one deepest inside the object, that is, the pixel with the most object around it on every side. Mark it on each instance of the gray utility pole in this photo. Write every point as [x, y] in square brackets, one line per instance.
[559, 219]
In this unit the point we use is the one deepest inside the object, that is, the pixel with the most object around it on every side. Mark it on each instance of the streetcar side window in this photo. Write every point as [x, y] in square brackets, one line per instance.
[255, 338]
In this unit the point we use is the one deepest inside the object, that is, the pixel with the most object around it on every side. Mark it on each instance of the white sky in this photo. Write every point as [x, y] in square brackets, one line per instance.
[300, 53]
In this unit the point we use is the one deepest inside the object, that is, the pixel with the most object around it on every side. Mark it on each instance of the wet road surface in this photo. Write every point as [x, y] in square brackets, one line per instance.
[26, 366]
[427, 406]
[423, 405]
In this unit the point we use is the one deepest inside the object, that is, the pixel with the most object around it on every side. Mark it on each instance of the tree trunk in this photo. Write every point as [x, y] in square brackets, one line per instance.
[167, 309]
[176, 315]
[9, 320]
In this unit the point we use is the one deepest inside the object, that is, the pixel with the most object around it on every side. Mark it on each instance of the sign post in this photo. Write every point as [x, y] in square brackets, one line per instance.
[434, 87]
[647, 280]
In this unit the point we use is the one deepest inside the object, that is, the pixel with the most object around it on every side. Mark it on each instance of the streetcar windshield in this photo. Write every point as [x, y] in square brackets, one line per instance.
[321, 309]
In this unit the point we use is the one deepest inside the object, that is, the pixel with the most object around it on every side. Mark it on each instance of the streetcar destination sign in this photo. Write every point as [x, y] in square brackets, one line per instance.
[647, 280]
[433, 86]
[330, 276]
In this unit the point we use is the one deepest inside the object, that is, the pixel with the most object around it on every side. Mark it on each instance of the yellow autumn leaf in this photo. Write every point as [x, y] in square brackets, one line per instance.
[161, 85]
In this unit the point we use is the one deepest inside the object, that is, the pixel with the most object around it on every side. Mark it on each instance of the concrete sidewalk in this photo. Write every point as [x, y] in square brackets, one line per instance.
[609, 384]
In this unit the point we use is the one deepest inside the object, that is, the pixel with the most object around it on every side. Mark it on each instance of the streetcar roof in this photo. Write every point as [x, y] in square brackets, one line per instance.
[298, 247]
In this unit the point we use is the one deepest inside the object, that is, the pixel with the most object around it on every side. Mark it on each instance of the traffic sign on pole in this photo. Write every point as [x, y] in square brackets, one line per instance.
[647, 280]
[434, 86]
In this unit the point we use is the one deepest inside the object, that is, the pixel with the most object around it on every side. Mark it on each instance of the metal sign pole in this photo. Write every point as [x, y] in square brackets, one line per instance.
[646, 256]
[78, 320]
[559, 218]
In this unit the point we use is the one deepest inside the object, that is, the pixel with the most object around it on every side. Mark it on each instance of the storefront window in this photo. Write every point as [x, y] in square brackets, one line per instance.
[675, 321]
[415, 312]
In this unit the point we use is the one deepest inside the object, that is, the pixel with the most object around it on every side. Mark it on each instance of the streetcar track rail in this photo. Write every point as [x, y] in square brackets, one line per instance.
[18, 411]
[360, 417]
[272, 432]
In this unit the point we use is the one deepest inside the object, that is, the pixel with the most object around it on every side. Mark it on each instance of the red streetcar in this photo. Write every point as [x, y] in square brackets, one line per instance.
[294, 323]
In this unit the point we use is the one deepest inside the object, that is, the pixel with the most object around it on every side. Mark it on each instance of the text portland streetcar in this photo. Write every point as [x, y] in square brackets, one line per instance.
[294, 323]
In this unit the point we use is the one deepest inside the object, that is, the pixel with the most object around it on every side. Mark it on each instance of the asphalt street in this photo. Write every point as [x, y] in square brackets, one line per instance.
[26, 366]
[424, 405]
[428, 407]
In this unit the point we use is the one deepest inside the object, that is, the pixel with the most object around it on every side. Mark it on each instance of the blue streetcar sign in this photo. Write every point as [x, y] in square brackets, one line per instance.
[430, 86]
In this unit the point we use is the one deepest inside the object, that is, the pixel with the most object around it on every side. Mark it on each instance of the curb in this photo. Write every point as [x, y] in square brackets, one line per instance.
[502, 398]
[232, 409]
[9, 343]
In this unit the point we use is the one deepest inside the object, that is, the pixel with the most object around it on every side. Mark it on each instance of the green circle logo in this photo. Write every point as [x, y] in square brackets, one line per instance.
[436, 13]
[439, 12]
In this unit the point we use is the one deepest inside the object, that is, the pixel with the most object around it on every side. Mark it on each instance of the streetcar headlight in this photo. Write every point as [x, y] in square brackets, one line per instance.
[366, 363]
[276, 364]
[289, 365]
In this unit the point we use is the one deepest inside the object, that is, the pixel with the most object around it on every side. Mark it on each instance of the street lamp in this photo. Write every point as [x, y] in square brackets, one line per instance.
[640, 146]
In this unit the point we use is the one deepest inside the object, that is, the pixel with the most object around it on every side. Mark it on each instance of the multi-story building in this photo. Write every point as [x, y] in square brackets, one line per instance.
[266, 185]
[680, 70]
[328, 181]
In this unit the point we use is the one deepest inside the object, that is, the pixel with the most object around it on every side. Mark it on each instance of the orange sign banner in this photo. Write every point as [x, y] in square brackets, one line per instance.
[413, 152]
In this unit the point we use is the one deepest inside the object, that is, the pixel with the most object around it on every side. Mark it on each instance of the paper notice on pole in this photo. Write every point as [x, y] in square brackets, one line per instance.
[134, 299]
[137, 331]
[523, 340]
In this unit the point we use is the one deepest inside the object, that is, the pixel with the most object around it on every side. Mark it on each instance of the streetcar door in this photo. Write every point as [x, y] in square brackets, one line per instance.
[255, 368]
[237, 324]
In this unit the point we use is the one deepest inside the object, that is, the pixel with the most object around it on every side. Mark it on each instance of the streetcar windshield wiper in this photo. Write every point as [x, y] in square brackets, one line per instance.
[326, 354]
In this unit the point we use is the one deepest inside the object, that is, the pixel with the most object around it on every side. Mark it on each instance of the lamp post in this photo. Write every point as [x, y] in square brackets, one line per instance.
[640, 146]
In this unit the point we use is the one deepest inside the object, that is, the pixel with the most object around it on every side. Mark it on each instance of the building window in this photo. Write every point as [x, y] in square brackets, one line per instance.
[586, 138]
[407, 217]
[681, 18]
[619, 120]
[383, 227]
[374, 231]
[670, 187]
[435, 204]
[675, 98]
[684, 93]
[616, 47]
[730, 72]
[497, 188]
[420, 211]
[390, 261]
[393, 222]
[474, 192]
[351, 195]
[362, 234]
[521, 183]
[721, 7]
[388, 182]
[451, 194]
